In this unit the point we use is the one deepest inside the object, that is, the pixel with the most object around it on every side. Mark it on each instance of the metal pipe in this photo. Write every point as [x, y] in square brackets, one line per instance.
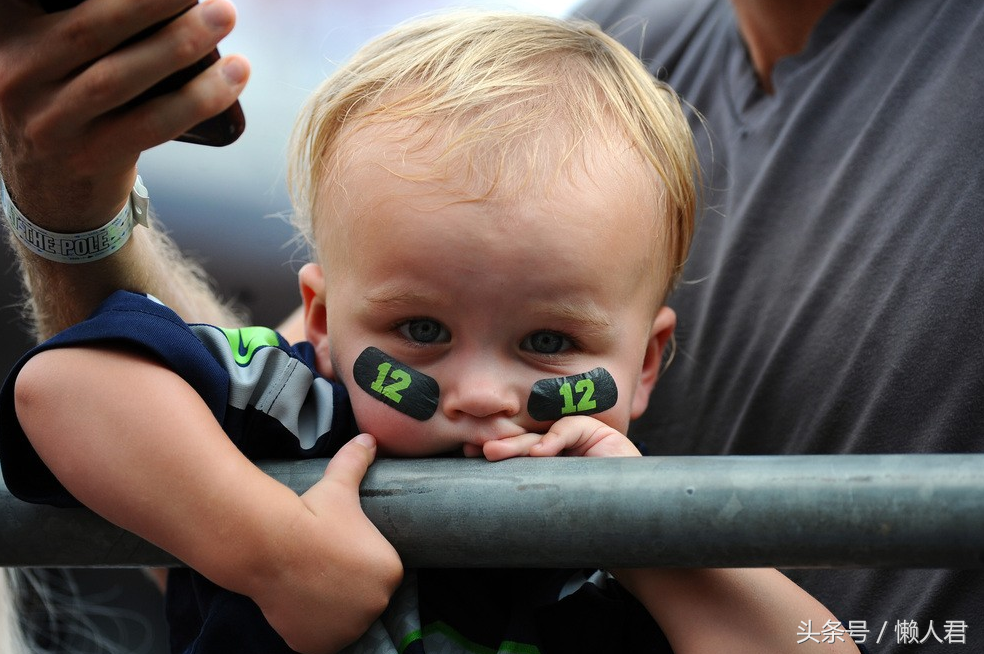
[890, 511]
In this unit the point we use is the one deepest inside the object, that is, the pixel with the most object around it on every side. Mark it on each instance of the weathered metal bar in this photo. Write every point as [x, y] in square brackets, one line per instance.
[783, 511]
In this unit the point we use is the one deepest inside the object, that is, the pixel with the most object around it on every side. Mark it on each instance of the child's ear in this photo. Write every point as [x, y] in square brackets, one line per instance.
[663, 326]
[311, 279]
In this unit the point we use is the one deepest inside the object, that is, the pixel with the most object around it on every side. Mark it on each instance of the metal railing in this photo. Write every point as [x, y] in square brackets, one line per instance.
[889, 511]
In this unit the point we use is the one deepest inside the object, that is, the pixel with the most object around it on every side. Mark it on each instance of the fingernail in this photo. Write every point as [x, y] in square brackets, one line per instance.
[366, 441]
[235, 71]
[217, 15]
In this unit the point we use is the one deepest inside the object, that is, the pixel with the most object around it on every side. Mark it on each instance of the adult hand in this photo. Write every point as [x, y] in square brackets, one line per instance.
[68, 146]
[334, 595]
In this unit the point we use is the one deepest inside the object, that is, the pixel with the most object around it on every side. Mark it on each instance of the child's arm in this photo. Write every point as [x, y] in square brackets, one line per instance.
[731, 610]
[133, 441]
[757, 611]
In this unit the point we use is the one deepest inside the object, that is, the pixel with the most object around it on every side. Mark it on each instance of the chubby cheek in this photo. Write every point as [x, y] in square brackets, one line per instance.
[619, 415]
[396, 434]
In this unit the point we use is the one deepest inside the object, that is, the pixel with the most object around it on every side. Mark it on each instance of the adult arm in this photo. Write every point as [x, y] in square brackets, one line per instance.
[161, 466]
[757, 611]
[69, 146]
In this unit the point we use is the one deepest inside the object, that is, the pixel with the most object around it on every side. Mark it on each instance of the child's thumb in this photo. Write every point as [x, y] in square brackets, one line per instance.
[350, 463]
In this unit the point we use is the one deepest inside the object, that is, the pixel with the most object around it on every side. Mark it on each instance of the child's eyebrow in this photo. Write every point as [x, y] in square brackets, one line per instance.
[586, 315]
[396, 297]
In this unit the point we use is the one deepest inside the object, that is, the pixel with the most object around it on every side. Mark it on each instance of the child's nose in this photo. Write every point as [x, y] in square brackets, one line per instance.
[481, 396]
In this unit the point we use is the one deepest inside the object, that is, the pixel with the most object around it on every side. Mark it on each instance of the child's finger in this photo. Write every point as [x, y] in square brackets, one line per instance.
[612, 444]
[583, 436]
[349, 465]
[507, 448]
[553, 443]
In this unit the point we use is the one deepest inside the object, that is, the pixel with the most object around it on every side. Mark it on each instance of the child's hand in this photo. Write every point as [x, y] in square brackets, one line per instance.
[329, 596]
[571, 436]
[317, 567]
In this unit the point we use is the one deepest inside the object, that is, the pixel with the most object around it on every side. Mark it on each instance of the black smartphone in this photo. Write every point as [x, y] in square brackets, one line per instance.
[218, 130]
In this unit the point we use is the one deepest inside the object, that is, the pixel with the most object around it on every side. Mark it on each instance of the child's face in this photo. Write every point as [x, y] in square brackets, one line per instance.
[486, 297]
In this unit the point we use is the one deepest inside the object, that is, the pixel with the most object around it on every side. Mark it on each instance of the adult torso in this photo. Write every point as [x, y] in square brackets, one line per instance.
[834, 300]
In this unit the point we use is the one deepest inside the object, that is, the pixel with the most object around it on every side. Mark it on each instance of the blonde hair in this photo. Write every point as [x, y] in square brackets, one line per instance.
[497, 83]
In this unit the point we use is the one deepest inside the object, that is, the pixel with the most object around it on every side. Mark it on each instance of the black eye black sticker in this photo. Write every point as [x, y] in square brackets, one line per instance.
[590, 392]
[396, 384]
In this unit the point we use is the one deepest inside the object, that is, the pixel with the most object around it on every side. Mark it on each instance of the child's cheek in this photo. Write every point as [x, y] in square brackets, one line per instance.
[617, 417]
[396, 434]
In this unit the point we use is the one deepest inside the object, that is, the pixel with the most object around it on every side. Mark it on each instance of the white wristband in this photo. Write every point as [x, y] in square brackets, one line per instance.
[83, 247]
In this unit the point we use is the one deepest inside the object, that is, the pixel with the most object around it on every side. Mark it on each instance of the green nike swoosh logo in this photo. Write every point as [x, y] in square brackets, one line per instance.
[246, 341]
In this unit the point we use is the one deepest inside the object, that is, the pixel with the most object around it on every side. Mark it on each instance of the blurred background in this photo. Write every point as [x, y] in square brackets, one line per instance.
[227, 207]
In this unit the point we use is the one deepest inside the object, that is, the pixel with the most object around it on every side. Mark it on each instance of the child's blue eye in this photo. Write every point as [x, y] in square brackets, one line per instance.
[424, 330]
[546, 343]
